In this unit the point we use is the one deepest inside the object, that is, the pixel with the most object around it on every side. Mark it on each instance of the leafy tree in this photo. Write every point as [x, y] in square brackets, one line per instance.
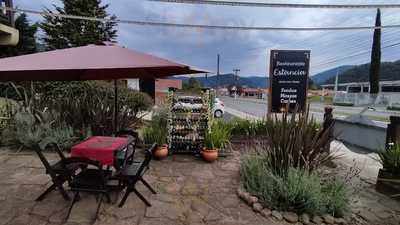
[375, 57]
[311, 84]
[27, 40]
[192, 85]
[65, 33]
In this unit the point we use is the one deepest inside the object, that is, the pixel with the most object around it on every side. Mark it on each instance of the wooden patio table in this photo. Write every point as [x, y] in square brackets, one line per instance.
[102, 149]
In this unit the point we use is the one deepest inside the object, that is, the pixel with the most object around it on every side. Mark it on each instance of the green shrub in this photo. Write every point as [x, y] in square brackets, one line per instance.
[156, 131]
[91, 104]
[299, 191]
[390, 159]
[7, 108]
[343, 103]
[218, 136]
[336, 198]
[247, 127]
[394, 108]
[37, 131]
[254, 177]
[62, 135]
[86, 104]
[32, 127]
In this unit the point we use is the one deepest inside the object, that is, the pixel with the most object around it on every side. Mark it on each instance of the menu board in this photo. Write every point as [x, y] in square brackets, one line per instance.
[289, 72]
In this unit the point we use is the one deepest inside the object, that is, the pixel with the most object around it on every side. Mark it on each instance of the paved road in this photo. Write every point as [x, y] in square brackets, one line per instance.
[258, 108]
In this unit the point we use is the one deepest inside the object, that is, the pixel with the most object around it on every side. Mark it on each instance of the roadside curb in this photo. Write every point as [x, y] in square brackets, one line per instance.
[241, 114]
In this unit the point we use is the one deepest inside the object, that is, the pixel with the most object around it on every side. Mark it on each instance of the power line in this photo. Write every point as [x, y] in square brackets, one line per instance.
[354, 55]
[282, 5]
[353, 45]
[199, 26]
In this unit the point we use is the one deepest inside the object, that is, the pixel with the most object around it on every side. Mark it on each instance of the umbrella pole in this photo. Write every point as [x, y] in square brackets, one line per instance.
[115, 107]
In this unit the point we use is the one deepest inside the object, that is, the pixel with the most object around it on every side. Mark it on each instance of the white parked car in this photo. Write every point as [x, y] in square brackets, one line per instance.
[219, 108]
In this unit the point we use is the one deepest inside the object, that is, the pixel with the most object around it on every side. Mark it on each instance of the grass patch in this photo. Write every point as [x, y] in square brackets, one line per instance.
[247, 127]
[327, 100]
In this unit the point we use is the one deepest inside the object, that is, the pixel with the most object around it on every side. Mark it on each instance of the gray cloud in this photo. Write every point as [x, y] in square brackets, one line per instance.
[247, 50]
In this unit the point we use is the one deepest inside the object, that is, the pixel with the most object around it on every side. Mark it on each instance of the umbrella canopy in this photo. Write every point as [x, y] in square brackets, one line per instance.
[105, 61]
[93, 62]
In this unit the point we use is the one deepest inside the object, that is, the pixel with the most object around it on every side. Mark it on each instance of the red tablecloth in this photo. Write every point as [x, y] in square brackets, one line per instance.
[99, 148]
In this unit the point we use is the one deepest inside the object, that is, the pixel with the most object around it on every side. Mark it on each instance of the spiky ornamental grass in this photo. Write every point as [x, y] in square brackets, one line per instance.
[295, 140]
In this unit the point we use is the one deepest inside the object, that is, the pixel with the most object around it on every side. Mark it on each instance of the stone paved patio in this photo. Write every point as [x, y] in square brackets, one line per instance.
[190, 191]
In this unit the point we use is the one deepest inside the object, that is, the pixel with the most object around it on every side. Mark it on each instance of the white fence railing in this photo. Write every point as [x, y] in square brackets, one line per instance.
[359, 99]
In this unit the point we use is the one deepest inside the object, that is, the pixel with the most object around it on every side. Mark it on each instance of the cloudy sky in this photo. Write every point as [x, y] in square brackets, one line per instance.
[248, 50]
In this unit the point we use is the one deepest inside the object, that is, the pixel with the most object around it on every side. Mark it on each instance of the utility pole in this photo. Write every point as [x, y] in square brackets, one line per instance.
[236, 71]
[336, 85]
[236, 78]
[218, 61]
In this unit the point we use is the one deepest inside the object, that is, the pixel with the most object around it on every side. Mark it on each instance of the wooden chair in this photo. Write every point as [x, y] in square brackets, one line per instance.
[131, 173]
[59, 172]
[92, 179]
[120, 156]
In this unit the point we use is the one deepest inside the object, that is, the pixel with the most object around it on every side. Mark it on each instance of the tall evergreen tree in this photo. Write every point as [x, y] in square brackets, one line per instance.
[374, 70]
[65, 33]
[27, 40]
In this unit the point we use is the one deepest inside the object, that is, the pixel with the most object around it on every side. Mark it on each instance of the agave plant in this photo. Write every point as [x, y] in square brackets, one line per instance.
[390, 159]
[34, 126]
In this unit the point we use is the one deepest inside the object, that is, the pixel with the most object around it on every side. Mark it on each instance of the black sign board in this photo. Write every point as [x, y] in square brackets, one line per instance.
[289, 70]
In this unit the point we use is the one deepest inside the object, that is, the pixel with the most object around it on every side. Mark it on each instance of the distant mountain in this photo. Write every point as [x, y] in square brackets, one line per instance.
[348, 73]
[322, 77]
[228, 79]
[360, 73]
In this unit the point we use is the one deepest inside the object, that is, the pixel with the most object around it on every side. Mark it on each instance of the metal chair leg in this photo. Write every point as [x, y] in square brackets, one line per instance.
[71, 206]
[148, 186]
[142, 198]
[48, 190]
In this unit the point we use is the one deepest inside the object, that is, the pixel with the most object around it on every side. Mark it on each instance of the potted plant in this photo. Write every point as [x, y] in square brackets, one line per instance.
[390, 172]
[217, 138]
[156, 134]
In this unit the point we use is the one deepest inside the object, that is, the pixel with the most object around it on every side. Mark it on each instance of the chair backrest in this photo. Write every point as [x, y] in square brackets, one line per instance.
[146, 162]
[85, 163]
[44, 160]
[129, 152]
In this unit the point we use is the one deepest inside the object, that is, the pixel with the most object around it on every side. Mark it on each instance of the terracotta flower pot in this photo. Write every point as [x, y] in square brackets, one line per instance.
[210, 155]
[161, 152]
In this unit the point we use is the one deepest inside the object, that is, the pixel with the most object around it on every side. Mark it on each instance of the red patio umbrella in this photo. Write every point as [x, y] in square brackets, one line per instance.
[105, 61]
